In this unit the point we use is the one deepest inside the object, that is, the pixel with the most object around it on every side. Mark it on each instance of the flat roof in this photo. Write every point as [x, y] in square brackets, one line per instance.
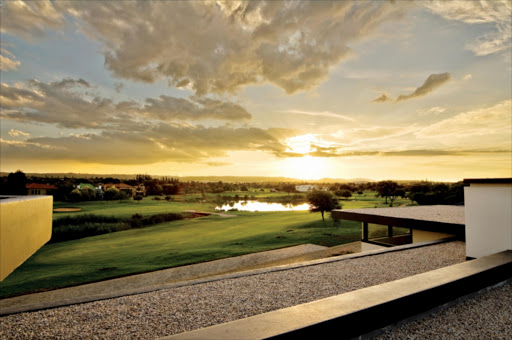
[488, 181]
[440, 218]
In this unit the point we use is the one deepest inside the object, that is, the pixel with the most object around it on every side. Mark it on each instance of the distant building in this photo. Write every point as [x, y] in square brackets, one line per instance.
[308, 187]
[305, 187]
[85, 185]
[40, 189]
[130, 190]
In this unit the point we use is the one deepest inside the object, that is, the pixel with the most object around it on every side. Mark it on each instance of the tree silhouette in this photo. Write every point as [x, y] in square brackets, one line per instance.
[322, 201]
[16, 183]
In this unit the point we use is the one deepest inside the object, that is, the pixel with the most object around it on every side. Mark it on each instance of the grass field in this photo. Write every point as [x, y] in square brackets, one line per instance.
[148, 206]
[175, 243]
[169, 245]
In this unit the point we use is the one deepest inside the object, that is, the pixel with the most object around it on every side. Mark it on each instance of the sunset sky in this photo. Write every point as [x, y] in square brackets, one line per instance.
[380, 90]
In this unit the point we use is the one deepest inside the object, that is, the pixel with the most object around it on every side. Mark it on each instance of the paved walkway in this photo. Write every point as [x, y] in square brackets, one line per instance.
[141, 283]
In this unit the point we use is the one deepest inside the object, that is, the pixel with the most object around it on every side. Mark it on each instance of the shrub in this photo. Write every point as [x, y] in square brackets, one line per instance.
[110, 194]
[80, 226]
[75, 195]
[136, 221]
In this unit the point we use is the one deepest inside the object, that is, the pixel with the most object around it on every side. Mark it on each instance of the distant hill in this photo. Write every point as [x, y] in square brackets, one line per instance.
[239, 179]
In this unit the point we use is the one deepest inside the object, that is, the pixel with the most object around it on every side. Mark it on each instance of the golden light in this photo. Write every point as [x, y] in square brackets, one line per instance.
[307, 167]
[300, 144]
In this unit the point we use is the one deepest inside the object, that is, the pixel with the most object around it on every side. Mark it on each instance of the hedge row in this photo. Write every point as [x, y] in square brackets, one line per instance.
[80, 226]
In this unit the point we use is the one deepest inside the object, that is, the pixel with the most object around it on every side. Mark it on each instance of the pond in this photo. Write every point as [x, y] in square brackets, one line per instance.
[262, 206]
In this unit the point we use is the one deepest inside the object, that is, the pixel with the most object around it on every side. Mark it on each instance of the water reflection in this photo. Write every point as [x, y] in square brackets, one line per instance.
[262, 206]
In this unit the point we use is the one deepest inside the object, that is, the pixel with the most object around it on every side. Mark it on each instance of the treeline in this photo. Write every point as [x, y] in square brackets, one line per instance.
[423, 193]
[15, 184]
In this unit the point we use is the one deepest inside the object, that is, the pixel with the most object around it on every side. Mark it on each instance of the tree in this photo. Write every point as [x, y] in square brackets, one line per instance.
[16, 183]
[289, 188]
[138, 198]
[75, 195]
[122, 195]
[322, 201]
[344, 193]
[110, 194]
[386, 189]
[88, 194]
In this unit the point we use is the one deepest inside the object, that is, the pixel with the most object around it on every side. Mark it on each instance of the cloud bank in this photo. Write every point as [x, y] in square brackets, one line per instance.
[493, 12]
[213, 47]
[72, 103]
[8, 60]
[127, 132]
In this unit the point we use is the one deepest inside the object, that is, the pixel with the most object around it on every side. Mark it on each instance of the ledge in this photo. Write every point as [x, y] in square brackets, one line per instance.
[366, 311]
[487, 181]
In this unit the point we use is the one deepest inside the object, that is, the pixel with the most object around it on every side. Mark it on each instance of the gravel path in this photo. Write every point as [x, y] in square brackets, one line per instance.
[488, 316]
[177, 310]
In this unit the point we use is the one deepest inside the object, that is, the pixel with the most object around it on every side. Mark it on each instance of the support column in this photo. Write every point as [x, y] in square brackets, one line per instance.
[390, 231]
[365, 231]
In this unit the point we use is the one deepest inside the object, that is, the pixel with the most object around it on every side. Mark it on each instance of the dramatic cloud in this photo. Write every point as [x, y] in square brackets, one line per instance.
[383, 98]
[7, 61]
[30, 19]
[18, 133]
[170, 108]
[59, 102]
[432, 82]
[214, 47]
[159, 143]
[71, 103]
[494, 12]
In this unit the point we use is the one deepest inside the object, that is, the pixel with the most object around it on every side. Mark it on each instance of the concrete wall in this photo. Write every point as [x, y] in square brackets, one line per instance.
[488, 214]
[25, 225]
[424, 236]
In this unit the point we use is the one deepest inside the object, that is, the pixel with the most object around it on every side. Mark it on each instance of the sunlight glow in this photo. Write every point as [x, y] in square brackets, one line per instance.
[307, 167]
[300, 144]
[263, 206]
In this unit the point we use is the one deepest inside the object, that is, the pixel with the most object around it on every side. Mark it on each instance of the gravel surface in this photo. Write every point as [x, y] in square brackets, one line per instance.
[487, 316]
[176, 310]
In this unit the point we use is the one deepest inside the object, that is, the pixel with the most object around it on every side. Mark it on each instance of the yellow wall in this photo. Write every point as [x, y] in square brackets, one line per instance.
[424, 236]
[25, 226]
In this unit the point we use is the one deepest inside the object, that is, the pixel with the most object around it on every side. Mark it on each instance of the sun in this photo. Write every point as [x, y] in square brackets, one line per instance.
[306, 167]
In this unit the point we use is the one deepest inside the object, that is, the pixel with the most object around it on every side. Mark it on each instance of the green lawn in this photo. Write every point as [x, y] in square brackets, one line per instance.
[169, 245]
[127, 208]
[176, 243]
[148, 206]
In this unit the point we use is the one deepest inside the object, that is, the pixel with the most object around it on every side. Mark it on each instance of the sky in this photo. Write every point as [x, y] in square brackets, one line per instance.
[409, 90]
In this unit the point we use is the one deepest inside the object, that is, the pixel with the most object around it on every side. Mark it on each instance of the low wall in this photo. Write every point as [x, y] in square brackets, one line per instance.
[25, 226]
